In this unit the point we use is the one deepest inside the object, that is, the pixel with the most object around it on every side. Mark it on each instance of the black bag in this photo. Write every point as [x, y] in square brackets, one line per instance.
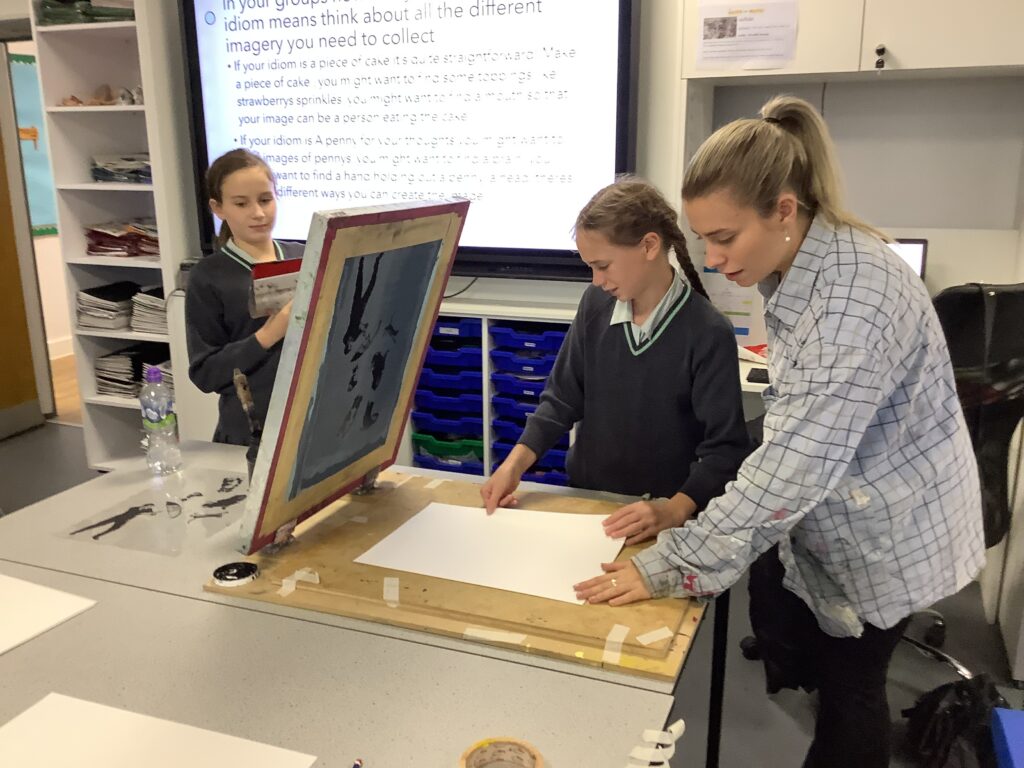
[951, 726]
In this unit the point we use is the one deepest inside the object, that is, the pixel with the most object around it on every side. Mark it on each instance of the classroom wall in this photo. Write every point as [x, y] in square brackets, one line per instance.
[939, 159]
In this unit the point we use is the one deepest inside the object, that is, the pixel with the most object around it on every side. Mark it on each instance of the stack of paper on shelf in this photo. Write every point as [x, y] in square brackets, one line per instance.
[148, 311]
[123, 169]
[107, 306]
[121, 373]
[136, 238]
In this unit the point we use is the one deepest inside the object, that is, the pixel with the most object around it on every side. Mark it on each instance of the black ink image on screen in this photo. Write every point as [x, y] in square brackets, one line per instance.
[376, 315]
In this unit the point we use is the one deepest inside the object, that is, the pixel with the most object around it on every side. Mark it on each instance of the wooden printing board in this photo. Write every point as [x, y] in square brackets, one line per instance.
[329, 542]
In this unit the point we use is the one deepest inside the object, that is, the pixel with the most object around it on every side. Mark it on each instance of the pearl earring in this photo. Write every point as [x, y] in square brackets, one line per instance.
[788, 238]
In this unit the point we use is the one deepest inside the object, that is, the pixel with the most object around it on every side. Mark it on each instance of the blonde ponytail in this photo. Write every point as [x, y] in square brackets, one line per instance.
[788, 148]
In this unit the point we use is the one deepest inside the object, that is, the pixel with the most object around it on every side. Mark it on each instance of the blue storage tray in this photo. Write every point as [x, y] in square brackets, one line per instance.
[553, 459]
[460, 403]
[454, 425]
[510, 432]
[467, 357]
[464, 381]
[508, 408]
[507, 430]
[459, 327]
[550, 478]
[448, 465]
[512, 362]
[1008, 737]
[510, 384]
[511, 338]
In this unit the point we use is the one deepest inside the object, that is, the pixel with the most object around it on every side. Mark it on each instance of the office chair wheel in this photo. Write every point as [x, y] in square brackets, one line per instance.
[935, 635]
[749, 649]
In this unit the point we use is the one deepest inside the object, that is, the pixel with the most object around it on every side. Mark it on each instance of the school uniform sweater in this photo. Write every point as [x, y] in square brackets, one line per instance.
[221, 337]
[660, 416]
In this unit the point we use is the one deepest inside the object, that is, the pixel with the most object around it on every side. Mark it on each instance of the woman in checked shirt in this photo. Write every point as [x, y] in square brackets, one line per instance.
[862, 504]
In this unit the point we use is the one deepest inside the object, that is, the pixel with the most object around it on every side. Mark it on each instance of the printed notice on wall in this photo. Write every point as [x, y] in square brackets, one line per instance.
[747, 36]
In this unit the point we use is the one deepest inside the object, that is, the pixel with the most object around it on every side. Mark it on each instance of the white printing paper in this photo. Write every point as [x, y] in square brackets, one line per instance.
[527, 551]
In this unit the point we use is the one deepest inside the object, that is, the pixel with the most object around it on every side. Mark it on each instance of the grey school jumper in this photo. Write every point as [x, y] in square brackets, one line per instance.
[664, 418]
[221, 337]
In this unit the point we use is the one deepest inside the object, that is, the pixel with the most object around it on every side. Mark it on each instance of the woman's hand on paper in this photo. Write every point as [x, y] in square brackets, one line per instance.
[619, 585]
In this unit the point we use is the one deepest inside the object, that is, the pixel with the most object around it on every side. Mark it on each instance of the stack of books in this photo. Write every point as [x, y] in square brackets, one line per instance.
[107, 306]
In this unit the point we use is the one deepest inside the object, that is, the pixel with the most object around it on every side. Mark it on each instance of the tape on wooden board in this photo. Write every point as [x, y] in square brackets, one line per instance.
[391, 591]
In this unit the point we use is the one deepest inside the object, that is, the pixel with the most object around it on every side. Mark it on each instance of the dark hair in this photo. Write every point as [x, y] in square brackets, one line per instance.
[756, 159]
[628, 209]
[218, 172]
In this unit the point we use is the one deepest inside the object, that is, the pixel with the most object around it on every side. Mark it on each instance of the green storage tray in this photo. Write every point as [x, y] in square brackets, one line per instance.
[466, 448]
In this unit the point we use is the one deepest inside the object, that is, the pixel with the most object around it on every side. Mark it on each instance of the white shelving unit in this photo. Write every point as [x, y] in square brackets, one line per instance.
[75, 59]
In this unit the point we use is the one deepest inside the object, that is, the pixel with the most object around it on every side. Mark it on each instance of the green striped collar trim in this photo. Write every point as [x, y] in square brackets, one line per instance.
[232, 251]
[659, 328]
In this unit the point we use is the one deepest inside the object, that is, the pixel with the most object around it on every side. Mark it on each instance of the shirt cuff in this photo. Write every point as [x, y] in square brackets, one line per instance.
[658, 575]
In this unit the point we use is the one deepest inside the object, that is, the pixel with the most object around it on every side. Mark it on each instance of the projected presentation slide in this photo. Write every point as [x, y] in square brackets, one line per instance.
[509, 104]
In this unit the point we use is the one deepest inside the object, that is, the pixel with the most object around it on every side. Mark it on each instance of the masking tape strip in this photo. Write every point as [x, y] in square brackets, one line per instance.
[401, 481]
[434, 483]
[653, 637]
[494, 635]
[303, 574]
[359, 518]
[613, 644]
[657, 746]
[391, 591]
[652, 736]
[656, 755]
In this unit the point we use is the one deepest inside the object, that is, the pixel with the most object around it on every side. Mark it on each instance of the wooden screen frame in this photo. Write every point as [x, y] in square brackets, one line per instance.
[336, 237]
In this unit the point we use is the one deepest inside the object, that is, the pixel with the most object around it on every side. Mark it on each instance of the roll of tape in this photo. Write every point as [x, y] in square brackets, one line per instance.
[501, 753]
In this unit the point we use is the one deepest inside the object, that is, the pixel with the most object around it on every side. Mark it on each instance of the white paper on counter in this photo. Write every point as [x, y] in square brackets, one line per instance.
[28, 610]
[60, 730]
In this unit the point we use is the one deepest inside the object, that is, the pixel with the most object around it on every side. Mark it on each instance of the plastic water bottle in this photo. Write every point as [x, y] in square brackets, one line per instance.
[162, 454]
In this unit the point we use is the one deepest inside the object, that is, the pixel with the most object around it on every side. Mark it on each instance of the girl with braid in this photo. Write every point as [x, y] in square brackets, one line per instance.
[648, 374]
